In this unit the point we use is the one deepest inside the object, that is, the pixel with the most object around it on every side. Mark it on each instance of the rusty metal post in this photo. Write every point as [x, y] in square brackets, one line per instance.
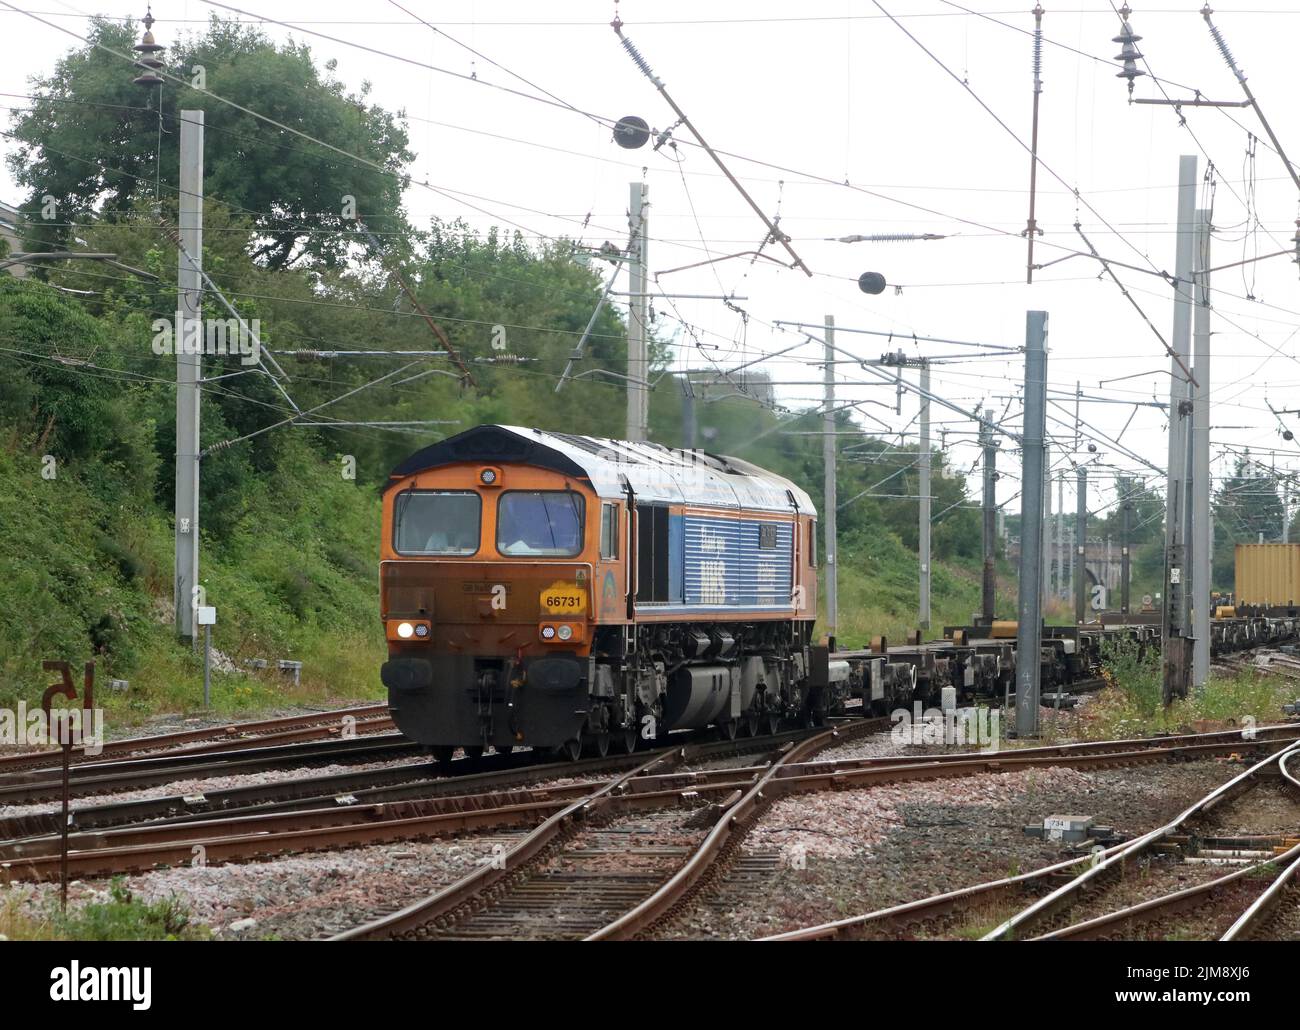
[65, 688]
[66, 739]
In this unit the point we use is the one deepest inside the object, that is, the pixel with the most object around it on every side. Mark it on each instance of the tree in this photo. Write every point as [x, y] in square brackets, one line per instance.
[1246, 505]
[95, 143]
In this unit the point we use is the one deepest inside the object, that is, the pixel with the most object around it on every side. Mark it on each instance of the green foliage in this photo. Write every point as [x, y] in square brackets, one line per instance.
[1132, 704]
[879, 590]
[1245, 505]
[91, 139]
[120, 916]
[1135, 672]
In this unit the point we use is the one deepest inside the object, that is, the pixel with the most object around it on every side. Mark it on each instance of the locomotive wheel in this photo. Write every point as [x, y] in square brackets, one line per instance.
[628, 739]
[811, 718]
[571, 749]
[773, 723]
[442, 753]
[601, 740]
[751, 724]
[730, 728]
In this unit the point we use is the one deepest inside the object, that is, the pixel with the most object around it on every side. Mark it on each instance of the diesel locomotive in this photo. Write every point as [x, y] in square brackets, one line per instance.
[559, 591]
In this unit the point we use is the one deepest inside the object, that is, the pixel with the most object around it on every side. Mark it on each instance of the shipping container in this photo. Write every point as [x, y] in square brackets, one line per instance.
[1268, 574]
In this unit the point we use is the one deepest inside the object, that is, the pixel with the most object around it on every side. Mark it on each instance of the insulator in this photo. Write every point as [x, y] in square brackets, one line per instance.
[1129, 54]
[1222, 44]
[1131, 71]
[147, 64]
[1126, 35]
[635, 54]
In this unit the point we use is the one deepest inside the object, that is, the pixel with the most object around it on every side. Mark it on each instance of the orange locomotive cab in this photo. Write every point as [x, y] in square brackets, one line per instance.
[558, 591]
[498, 561]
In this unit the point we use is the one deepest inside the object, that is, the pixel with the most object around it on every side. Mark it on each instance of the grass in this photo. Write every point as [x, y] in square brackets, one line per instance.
[336, 667]
[117, 916]
[975, 931]
[296, 581]
[879, 592]
[980, 918]
[1131, 703]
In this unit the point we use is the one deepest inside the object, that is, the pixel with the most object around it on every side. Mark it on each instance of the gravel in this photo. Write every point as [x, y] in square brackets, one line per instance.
[207, 784]
[301, 896]
[837, 854]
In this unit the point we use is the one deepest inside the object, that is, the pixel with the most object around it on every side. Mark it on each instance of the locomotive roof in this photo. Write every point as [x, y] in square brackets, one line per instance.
[655, 472]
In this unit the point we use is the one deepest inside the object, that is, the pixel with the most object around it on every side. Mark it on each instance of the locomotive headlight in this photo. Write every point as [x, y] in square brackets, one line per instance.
[405, 630]
[565, 632]
[548, 632]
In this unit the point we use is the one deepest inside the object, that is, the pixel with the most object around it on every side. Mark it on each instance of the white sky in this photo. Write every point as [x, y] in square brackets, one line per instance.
[832, 89]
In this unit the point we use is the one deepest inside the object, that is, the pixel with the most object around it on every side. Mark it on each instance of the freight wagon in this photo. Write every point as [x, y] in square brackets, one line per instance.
[1267, 576]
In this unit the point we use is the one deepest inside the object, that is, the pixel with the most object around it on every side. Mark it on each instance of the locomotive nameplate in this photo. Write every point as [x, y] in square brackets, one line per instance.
[561, 599]
[484, 588]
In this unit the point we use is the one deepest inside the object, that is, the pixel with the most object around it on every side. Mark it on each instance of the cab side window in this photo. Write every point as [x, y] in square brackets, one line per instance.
[609, 531]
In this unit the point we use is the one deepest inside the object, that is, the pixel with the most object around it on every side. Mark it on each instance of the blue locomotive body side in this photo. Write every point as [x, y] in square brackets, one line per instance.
[721, 563]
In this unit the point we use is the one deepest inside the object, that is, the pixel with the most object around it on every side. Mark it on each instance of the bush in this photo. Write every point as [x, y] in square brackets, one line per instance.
[119, 917]
[1135, 672]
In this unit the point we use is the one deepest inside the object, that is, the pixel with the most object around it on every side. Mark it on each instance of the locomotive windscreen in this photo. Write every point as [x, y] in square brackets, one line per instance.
[539, 522]
[436, 522]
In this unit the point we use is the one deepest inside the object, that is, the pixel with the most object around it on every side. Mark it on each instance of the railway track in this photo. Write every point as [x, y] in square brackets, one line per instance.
[549, 874]
[447, 805]
[1267, 662]
[578, 878]
[1266, 869]
[1261, 884]
[412, 781]
[451, 801]
[86, 779]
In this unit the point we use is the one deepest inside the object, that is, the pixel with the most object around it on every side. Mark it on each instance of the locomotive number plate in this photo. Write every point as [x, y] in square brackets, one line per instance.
[564, 599]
